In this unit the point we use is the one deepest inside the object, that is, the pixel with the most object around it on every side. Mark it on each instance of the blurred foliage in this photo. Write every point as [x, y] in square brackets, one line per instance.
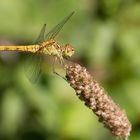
[106, 37]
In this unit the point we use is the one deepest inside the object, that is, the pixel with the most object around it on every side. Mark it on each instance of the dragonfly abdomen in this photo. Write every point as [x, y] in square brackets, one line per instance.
[32, 48]
[29, 48]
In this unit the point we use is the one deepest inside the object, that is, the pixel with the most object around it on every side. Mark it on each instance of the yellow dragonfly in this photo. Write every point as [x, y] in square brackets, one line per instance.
[45, 44]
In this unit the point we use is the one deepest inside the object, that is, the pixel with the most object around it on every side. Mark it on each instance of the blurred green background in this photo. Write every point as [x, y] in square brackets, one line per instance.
[106, 38]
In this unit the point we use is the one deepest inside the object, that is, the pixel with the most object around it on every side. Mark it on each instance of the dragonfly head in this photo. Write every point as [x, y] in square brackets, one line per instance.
[68, 51]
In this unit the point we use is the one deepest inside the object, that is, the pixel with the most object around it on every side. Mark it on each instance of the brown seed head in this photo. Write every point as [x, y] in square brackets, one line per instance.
[97, 99]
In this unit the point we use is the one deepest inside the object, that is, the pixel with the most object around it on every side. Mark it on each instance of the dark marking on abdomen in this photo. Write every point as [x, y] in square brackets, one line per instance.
[6, 48]
[17, 48]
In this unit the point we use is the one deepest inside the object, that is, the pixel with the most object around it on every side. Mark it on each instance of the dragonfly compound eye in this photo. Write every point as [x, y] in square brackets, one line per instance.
[68, 51]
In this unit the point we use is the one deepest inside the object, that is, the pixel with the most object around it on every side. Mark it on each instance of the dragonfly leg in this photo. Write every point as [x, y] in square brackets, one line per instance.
[53, 66]
[61, 61]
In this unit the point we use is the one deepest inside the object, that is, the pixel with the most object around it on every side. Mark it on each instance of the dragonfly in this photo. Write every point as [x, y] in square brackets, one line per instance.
[45, 44]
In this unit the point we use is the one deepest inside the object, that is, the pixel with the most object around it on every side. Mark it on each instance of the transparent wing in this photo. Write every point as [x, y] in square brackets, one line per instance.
[40, 38]
[32, 67]
[57, 28]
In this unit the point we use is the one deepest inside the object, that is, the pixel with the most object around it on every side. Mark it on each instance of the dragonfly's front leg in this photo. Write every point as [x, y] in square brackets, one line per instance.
[61, 61]
[53, 67]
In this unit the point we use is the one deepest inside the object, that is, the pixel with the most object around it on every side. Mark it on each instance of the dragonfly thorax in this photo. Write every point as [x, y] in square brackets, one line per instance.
[51, 48]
